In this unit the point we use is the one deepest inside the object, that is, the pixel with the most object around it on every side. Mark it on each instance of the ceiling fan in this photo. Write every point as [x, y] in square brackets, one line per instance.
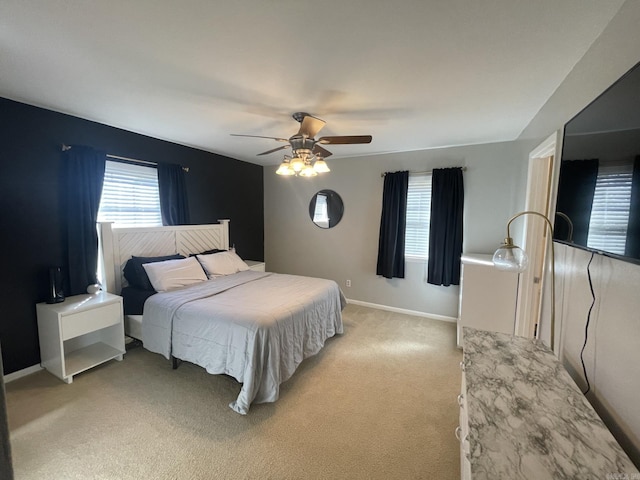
[308, 153]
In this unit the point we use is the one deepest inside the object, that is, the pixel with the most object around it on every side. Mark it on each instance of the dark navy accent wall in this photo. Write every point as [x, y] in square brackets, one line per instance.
[32, 219]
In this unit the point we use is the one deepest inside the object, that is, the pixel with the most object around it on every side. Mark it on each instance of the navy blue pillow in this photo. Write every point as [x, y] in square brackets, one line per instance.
[136, 274]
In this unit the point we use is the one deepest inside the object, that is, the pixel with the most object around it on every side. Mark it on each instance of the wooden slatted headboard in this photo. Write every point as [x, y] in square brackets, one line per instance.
[118, 245]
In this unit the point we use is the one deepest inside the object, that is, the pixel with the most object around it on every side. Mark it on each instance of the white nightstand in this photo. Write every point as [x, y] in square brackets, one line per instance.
[255, 265]
[80, 333]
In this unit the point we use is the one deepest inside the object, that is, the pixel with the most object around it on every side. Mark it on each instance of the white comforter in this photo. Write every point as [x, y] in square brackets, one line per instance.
[255, 326]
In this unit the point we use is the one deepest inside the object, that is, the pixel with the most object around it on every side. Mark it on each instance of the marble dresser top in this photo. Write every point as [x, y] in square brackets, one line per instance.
[528, 419]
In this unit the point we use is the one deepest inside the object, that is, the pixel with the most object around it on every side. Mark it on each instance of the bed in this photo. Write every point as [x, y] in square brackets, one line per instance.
[254, 326]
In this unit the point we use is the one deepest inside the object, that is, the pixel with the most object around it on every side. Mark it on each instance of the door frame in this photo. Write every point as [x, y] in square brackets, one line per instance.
[540, 191]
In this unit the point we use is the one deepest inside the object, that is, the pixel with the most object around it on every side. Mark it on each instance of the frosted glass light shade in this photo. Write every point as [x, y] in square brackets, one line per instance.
[510, 258]
[285, 169]
[321, 166]
[308, 171]
[297, 164]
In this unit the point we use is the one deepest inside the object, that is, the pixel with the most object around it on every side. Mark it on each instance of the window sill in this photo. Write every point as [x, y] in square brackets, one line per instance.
[416, 259]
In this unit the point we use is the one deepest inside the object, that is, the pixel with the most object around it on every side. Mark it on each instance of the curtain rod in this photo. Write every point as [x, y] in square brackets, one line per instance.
[126, 159]
[464, 169]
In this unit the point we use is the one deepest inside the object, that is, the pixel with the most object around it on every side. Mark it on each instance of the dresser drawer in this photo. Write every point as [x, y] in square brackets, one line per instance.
[76, 324]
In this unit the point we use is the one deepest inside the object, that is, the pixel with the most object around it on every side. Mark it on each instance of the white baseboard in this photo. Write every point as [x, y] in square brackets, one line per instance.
[415, 313]
[22, 373]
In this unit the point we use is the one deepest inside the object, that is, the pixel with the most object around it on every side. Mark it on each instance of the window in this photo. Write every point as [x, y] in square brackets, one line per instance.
[418, 216]
[130, 196]
[321, 212]
[610, 209]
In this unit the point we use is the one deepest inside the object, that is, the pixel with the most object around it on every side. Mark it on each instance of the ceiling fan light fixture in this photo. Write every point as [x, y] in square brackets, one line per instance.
[308, 171]
[321, 166]
[308, 153]
[285, 169]
[297, 164]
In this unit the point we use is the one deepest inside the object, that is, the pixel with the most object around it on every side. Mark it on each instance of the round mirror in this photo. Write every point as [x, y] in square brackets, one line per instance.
[326, 209]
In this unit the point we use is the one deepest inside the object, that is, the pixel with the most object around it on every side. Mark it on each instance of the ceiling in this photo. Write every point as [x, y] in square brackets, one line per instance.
[415, 74]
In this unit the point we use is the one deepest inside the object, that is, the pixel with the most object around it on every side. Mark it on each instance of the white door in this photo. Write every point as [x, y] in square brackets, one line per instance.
[540, 198]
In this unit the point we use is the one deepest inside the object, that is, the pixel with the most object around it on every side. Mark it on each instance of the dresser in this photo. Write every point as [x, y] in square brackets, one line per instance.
[80, 333]
[488, 296]
[523, 417]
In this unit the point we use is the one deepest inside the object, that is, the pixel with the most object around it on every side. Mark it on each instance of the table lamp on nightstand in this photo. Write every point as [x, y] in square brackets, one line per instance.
[56, 292]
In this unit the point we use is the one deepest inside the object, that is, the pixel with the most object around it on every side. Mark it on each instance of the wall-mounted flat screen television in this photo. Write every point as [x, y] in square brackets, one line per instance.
[598, 205]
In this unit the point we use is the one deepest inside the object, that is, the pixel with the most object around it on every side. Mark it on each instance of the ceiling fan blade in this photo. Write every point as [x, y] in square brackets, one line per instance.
[344, 140]
[310, 126]
[274, 150]
[259, 136]
[324, 153]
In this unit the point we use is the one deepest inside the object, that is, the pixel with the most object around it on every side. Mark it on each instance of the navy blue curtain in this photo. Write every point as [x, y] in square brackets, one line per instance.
[174, 203]
[84, 180]
[632, 247]
[393, 225]
[445, 228]
[576, 187]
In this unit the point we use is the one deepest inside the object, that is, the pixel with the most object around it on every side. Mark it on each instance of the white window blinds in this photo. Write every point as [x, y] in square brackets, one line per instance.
[610, 210]
[418, 216]
[130, 196]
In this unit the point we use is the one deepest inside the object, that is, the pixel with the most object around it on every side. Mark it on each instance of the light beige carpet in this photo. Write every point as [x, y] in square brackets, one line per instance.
[378, 402]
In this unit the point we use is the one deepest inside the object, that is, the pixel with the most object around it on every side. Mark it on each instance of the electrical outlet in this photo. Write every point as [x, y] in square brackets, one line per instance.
[348, 283]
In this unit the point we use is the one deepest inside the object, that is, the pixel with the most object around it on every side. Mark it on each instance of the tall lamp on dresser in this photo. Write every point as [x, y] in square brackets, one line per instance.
[509, 257]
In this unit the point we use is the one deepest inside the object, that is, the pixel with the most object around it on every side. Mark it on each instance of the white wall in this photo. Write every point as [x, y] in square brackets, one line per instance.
[613, 354]
[494, 190]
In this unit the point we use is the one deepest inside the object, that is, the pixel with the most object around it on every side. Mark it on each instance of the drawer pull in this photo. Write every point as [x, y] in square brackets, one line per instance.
[460, 399]
[462, 366]
[458, 431]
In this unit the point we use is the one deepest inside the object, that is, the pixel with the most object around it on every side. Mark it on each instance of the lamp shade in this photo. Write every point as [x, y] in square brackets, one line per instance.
[321, 166]
[510, 258]
[308, 171]
[285, 169]
[297, 164]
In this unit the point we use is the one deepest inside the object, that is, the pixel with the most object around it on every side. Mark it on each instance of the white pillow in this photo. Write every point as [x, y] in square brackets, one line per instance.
[241, 264]
[172, 274]
[222, 263]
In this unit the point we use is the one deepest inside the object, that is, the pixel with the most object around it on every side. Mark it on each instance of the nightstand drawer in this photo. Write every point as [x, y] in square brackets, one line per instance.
[76, 324]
